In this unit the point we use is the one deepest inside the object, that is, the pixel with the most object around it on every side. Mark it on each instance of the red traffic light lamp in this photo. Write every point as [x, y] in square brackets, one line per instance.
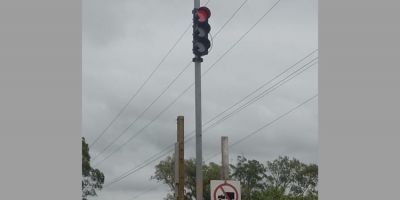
[203, 13]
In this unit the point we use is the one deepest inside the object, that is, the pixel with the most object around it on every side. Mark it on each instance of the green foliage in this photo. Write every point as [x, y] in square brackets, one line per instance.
[251, 174]
[295, 177]
[190, 179]
[270, 193]
[281, 172]
[92, 179]
[210, 172]
[280, 179]
[85, 158]
[165, 173]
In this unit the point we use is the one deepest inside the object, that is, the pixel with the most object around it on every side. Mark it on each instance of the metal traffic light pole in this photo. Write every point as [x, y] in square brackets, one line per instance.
[201, 44]
[199, 148]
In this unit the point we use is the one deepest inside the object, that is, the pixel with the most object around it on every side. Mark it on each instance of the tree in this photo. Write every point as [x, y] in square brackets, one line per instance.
[92, 179]
[280, 172]
[251, 175]
[280, 179]
[293, 177]
[305, 181]
[164, 172]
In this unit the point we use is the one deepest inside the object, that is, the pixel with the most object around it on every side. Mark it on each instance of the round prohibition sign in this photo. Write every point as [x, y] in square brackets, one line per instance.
[226, 185]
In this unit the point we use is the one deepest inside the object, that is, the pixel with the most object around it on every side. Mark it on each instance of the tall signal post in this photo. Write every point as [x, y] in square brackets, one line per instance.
[201, 44]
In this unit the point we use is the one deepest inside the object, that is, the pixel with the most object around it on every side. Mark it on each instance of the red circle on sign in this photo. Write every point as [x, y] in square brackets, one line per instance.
[225, 184]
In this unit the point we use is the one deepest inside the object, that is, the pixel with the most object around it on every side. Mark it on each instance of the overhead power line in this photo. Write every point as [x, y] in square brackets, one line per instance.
[252, 100]
[213, 65]
[144, 83]
[263, 85]
[141, 86]
[250, 134]
[144, 192]
[166, 108]
[266, 125]
[170, 84]
[230, 18]
[256, 98]
[145, 110]
[170, 148]
[292, 75]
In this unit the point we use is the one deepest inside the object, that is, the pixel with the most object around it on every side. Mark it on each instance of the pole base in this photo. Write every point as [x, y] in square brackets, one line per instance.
[197, 59]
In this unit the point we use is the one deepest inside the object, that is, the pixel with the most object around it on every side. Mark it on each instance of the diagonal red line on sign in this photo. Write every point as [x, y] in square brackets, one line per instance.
[225, 193]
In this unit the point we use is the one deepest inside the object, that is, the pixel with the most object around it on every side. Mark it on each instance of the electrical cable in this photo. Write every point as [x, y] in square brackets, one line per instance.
[145, 110]
[241, 100]
[154, 158]
[141, 87]
[219, 59]
[144, 83]
[268, 124]
[256, 131]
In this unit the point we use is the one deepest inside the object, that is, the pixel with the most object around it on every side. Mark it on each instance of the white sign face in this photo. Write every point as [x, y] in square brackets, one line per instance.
[225, 190]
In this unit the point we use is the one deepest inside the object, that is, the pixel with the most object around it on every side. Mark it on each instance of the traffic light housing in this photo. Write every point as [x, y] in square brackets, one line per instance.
[201, 28]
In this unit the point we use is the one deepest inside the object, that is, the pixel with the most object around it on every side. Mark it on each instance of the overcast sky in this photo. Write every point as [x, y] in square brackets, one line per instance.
[125, 40]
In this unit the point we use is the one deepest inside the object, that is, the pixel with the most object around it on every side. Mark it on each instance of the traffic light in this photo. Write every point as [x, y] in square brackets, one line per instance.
[201, 28]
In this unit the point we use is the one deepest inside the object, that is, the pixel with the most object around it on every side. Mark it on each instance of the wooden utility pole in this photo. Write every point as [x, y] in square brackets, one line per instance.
[181, 162]
[225, 158]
